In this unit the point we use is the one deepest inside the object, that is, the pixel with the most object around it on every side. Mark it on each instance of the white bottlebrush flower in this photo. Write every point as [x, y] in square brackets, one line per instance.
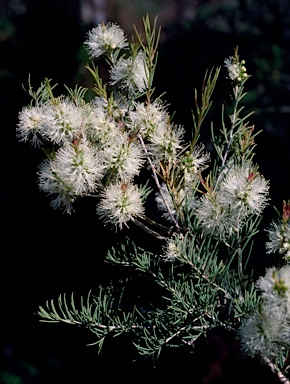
[100, 128]
[73, 172]
[215, 219]
[120, 203]
[147, 119]
[131, 73]
[123, 156]
[173, 248]
[236, 69]
[32, 124]
[279, 236]
[67, 121]
[80, 166]
[120, 155]
[267, 331]
[275, 289]
[245, 190]
[89, 123]
[165, 143]
[62, 195]
[105, 38]
[194, 162]
[258, 335]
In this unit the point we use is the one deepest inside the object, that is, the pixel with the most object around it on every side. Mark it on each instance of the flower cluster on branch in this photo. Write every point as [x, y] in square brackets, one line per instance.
[209, 211]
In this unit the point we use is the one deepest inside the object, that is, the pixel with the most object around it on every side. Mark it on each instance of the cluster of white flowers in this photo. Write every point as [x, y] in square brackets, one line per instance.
[58, 121]
[65, 121]
[275, 288]
[131, 73]
[244, 189]
[73, 172]
[267, 331]
[99, 147]
[194, 162]
[173, 248]
[257, 335]
[105, 38]
[120, 203]
[147, 119]
[32, 122]
[242, 192]
[112, 125]
[166, 143]
[236, 69]
[96, 147]
[215, 218]
[279, 234]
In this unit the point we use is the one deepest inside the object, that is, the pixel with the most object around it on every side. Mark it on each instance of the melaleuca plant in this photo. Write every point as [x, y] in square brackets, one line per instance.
[210, 210]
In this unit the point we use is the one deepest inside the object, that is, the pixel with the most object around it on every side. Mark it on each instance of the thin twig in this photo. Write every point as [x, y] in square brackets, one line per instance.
[157, 182]
[230, 136]
[148, 230]
[276, 370]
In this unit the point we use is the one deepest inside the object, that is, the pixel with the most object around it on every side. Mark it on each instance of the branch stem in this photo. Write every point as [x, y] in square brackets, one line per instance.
[275, 370]
[157, 182]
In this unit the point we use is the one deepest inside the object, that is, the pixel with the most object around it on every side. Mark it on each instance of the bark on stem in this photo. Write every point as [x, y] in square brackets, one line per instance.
[275, 370]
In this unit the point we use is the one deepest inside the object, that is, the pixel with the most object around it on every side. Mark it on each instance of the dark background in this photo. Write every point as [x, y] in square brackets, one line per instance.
[44, 252]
